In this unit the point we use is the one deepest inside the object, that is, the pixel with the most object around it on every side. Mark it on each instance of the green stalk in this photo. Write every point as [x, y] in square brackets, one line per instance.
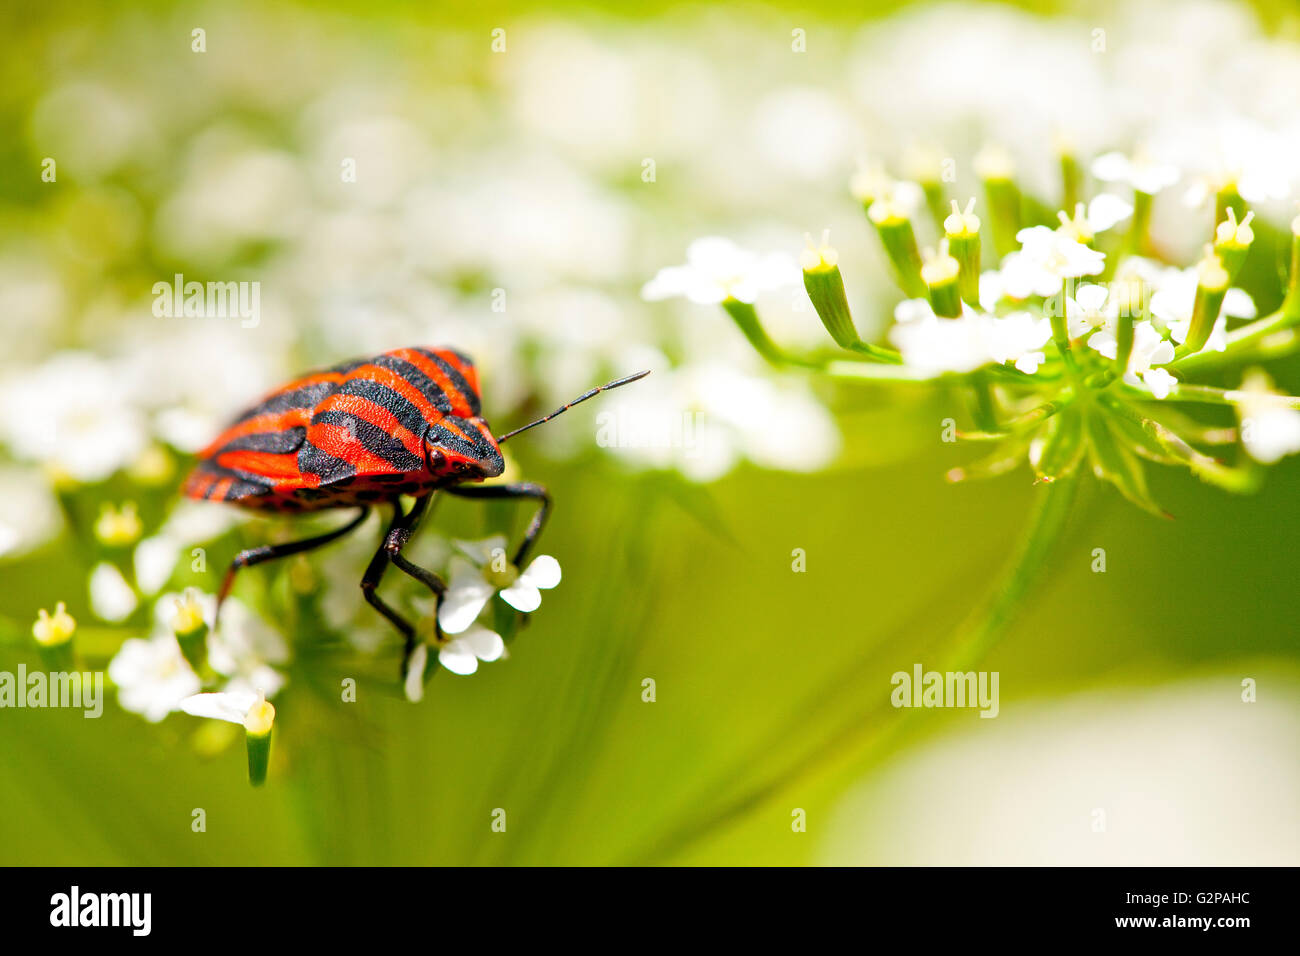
[866, 732]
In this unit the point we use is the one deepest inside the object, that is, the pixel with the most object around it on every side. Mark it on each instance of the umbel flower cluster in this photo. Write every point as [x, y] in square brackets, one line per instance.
[1075, 340]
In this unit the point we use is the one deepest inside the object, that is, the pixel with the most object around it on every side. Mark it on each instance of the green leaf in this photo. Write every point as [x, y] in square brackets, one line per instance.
[1062, 447]
[1112, 461]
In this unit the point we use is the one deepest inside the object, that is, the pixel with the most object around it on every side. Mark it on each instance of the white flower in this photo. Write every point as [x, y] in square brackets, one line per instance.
[933, 345]
[1269, 429]
[74, 414]
[1141, 172]
[152, 676]
[29, 515]
[488, 571]
[111, 597]
[462, 653]
[717, 269]
[1047, 258]
[1088, 309]
[232, 706]
[1018, 337]
[1149, 349]
[1106, 211]
[190, 523]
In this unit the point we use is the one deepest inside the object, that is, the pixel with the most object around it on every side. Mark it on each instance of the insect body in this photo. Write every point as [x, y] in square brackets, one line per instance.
[364, 433]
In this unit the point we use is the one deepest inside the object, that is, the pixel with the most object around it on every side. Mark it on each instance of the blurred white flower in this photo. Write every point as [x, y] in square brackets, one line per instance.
[228, 705]
[717, 269]
[29, 515]
[111, 597]
[73, 413]
[1018, 338]
[152, 676]
[1269, 429]
[1173, 302]
[486, 570]
[1144, 174]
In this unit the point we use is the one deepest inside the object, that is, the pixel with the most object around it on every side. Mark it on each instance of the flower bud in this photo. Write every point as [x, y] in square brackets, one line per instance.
[997, 170]
[257, 735]
[941, 273]
[896, 234]
[118, 528]
[1232, 241]
[1211, 286]
[825, 285]
[53, 635]
[962, 230]
[191, 630]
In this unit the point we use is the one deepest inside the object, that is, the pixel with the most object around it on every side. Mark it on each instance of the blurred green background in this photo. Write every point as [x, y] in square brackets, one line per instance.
[1131, 678]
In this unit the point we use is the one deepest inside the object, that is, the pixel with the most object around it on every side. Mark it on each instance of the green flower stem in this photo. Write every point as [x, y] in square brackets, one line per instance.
[1210, 395]
[1136, 242]
[1003, 198]
[868, 731]
[1021, 423]
[1241, 341]
[1291, 304]
[899, 239]
[1061, 332]
[746, 317]
[985, 409]
[1071, 180]
[1046, 524]
[886, 375]
[259, 756]
[1226, 198]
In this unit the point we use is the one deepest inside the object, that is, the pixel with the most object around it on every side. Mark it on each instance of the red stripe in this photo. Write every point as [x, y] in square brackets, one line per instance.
[459, 403]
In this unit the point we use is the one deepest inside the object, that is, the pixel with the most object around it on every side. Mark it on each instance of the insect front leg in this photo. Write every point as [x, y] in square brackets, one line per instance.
[518, 489]
[399, 533]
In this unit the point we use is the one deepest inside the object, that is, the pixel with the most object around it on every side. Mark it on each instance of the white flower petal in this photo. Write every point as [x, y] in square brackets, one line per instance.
[522, 597]
[229, 706]
[415, 673]
[486, 644]
[111, 597]
[462, 604]
[458, 658]
[1107, 210]
[542, 572]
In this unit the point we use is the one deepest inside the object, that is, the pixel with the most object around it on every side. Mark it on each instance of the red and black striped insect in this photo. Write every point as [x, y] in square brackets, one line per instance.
[361, 434]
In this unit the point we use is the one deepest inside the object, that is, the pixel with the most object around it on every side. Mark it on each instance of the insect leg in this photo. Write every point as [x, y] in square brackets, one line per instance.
[269, 552]
[519, 489]
[399, 532]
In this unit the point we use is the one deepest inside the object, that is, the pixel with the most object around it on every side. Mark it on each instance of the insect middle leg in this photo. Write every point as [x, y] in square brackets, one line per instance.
[518, 489]
[269, 552]
[399, 533]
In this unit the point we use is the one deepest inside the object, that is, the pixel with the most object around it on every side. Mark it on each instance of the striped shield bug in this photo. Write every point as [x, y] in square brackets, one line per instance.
[360, 435]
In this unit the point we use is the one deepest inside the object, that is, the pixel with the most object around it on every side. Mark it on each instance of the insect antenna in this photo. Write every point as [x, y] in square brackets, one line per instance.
[581, 398]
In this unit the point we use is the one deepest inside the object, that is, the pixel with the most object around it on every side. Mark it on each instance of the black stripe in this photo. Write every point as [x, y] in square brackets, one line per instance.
[275, 443]
[454, 376]
[259, 483]
[375, 439]
[427, 386]
[245, 489]
[403, 410]
[330, 469]
[309, 396]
